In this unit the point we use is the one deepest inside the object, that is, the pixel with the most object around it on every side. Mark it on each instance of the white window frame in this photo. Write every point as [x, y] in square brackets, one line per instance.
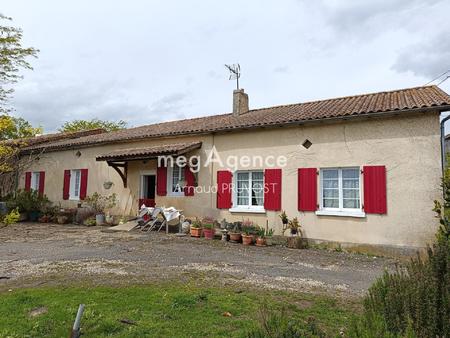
[340, 211]
[35, 178]
[169, 182]
[142, 174]
[74, 186]
[248, 208]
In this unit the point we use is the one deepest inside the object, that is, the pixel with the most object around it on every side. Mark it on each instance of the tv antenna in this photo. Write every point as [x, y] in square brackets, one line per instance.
[235, 73]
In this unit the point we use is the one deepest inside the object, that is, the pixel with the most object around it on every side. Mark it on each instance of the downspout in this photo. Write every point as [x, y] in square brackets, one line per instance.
[211, 180]
[443, 157]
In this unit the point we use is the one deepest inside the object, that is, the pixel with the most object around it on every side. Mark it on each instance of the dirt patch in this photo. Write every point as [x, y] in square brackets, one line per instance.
[37, 311]
[24, 268]
[37, 251]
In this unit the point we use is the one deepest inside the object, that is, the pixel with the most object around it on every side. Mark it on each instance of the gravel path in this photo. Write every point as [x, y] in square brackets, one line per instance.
[33, 254]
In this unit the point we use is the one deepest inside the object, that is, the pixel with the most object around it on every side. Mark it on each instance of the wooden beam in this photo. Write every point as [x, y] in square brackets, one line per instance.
[123, 174]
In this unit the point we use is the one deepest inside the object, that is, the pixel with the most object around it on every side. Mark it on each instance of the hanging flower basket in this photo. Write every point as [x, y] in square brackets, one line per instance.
[107, 185]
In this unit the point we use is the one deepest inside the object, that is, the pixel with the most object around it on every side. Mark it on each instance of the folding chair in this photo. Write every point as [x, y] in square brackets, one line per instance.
[157, 218]
[144, 217]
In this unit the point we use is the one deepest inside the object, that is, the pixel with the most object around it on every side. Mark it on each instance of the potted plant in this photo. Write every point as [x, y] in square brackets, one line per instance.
[269, 236]
[62, 217]
[284, 221]
[100, 204]
[196, 228]
[235, 233]
[294, 226]
[208, 227]
[109, 219]
[248, 232]
[296, 240]
[261, 236]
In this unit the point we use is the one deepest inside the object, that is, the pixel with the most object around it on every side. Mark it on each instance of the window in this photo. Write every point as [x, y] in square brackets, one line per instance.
[249, 191]
[176, 180]
[35, 177]
[340, 189]
[75, 180]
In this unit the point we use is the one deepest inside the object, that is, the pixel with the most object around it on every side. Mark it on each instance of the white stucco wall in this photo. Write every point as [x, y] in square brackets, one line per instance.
[407, 146]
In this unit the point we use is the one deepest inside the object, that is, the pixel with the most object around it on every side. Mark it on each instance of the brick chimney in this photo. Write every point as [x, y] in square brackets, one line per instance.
[240, 102]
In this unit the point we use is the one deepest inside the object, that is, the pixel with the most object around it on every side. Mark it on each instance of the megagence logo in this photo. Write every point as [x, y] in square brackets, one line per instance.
[231, 162]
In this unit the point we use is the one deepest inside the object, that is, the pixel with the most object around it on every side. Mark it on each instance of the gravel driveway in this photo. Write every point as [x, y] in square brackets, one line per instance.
[33, 254]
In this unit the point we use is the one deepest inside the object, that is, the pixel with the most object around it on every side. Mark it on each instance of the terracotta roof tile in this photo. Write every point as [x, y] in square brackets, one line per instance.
[360, 105]
[148, 152]
[47, 138]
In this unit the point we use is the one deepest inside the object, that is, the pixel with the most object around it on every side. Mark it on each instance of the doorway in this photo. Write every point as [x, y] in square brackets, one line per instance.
[148, 189]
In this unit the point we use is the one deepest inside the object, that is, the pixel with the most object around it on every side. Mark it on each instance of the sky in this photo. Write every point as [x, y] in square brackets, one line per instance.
[151, 61]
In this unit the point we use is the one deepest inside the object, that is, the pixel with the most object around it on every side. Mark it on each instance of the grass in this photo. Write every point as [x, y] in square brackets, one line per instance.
[160, 311]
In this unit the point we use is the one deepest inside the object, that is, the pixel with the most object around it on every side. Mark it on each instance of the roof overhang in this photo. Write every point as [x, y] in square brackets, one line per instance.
[119, 159]
[136, 154]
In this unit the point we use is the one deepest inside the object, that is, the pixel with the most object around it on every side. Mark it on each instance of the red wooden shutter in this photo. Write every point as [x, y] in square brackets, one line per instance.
[161, 181]
[375, 189]
[190, 181]
[83, 183]
[41, 182]
[272, 189]
[307, 189]
[224, 189]
[66, 185]
[28, 181]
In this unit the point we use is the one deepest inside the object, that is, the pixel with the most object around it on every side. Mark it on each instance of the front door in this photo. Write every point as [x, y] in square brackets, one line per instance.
[148, 190]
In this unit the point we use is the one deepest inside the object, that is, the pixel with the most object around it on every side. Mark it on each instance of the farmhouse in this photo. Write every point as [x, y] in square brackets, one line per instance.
[358, 170]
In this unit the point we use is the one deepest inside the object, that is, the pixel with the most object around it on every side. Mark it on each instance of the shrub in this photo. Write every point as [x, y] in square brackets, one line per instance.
[101, 203]
[415, 299]
[12, 217]
[26, 201]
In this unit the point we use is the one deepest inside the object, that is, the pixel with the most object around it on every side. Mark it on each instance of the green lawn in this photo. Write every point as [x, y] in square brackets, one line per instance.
[160, 311]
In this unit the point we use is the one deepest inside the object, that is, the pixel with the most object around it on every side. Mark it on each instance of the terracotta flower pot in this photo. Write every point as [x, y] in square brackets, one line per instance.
[209, 233]
[235, 237]
[196, 232]
[261, 241]
[247, 239]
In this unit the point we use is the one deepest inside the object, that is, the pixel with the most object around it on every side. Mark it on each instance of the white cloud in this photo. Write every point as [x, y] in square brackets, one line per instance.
[146, 61]
[427, 58]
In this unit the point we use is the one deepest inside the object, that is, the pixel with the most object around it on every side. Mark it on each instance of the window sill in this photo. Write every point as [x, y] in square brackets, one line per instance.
[358, 214]
[181, 194]
[248, 210]
[74, 198]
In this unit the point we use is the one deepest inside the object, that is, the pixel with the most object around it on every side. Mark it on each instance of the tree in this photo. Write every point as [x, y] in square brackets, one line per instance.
[79, 125]
[13, 58]
[16, 127]
[14, 133]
